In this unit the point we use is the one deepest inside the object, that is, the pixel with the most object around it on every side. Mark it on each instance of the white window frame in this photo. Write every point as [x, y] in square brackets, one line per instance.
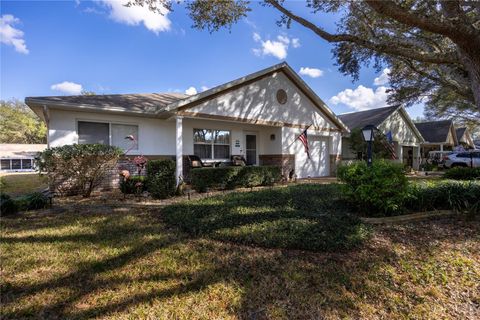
[10, 169]
[212, 144]
[133, 151]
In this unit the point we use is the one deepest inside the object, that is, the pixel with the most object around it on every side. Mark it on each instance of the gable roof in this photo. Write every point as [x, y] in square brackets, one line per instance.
[165, 105]
[360, 119]
[435, 131]
[149, 103]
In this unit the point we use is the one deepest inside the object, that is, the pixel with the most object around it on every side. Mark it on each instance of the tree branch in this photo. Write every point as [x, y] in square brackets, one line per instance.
[384, 48]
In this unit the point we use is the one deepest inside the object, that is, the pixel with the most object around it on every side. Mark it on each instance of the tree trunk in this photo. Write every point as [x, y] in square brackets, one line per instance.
[471, 61]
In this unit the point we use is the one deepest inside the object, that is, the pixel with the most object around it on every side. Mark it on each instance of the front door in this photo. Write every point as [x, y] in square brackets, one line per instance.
[251, 149]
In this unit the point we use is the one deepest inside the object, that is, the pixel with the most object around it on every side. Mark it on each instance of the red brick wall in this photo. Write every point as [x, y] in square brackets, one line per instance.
[285, 161]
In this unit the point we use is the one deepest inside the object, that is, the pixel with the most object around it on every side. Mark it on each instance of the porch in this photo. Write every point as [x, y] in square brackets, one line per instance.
[217, 141]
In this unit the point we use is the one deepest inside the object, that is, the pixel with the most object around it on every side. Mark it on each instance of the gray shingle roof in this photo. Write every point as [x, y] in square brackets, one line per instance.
[460, 132]
[360, 119]
[434, 131]
[148, 103]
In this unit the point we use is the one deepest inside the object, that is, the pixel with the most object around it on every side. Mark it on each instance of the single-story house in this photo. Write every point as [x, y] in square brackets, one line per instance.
[258, 116]
[19, 157]
[465, 138]
[438, 135]
[394, 121]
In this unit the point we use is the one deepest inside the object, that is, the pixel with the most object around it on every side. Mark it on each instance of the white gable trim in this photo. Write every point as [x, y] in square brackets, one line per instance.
[408, 120]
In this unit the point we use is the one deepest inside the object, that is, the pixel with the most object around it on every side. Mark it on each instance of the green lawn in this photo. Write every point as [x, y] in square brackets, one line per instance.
[16, 184]
[307, 217]
[81, 262]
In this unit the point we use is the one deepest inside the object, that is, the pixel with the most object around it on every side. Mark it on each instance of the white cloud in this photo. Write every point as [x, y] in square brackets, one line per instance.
[10, 35]
[383, 78]
[311, 72]
[204, 88]
[277, 48]
[68, 87]
[191, 91]
[362, 98]
[295, 42]
[135, 15]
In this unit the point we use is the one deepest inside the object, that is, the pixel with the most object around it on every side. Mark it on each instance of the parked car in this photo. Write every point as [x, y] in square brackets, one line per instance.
[463, 159]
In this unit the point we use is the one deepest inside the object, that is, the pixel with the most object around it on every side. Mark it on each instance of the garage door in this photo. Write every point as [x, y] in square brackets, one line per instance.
[318, 164]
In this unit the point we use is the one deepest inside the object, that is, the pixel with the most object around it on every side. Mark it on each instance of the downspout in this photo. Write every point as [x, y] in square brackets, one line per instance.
[46, 116]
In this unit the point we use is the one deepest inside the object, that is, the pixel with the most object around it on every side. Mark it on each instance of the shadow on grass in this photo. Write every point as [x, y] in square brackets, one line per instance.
[165, 267]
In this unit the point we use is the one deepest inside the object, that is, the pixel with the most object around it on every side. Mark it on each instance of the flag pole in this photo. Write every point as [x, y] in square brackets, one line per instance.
[299, 136]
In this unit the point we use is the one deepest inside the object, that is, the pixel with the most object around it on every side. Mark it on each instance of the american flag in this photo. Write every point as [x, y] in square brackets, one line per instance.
[389, 144]
[303, 137]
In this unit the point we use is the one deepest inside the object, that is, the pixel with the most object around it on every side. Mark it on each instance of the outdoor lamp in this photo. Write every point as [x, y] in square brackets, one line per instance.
[368, 134]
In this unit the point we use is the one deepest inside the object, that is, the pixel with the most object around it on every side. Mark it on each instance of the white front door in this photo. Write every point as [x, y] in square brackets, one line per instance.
[318, 164]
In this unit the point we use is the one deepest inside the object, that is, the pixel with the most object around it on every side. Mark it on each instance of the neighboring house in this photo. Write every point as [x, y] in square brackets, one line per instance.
[19, 157]
[438, 135]
[258, 116]
[406, 138]
[464, 138]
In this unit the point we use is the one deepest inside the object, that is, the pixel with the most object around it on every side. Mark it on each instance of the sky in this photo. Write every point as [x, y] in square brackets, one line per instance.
[66, 47]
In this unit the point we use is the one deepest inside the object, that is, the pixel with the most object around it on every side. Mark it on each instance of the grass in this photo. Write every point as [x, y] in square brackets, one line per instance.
[306, 217]
[17, 184]
[81, 261]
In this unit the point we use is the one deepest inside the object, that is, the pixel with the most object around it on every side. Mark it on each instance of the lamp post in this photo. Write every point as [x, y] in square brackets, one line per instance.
[368, 135]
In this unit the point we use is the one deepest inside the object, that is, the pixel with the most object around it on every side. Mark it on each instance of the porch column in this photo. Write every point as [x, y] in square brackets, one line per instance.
[179, 150]
[441, 147]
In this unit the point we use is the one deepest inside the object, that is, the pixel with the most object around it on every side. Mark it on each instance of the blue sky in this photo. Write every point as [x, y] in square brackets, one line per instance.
[63, 47]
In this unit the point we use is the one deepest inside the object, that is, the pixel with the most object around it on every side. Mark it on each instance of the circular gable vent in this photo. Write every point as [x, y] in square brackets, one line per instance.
[282, 96]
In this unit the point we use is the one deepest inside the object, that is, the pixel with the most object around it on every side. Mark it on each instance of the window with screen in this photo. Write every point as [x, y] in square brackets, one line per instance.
[120, 131]
[211, 144]
[93, 132]
[26, 163]
[16, 164]
[5, 164]
[108, 133]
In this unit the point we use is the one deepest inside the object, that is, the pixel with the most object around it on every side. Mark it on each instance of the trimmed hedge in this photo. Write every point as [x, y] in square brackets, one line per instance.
[133, 184]
[379, 190]
[161, 182]
[462, 173]
[231, 177]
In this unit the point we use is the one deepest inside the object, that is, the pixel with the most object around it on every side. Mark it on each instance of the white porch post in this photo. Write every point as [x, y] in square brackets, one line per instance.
[441, 147]
[179, 150]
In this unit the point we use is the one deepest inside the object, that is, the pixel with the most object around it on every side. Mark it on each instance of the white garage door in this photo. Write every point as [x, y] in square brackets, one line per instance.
[318, 164]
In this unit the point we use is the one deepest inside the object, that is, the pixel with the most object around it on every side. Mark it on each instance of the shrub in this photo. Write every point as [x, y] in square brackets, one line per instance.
[462, 173]
[161, 182]
[460, 196]
[32, 201]
[216, 178]
[78, 168]
[7, 205]
[133, 184]
[253, 176]
[230, 177]
[379, 190]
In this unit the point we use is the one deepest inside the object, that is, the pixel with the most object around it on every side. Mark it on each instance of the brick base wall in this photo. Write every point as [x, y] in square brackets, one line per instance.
[285, 161]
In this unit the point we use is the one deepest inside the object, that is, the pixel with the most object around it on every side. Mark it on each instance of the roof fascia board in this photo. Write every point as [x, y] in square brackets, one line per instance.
[90, 108]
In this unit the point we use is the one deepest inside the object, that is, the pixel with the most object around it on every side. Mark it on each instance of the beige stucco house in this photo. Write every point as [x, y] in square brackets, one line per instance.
[258, 116]
[406, 138]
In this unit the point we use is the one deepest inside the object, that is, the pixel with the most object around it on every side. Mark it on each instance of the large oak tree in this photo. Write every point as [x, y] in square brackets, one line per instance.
[431, 47]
